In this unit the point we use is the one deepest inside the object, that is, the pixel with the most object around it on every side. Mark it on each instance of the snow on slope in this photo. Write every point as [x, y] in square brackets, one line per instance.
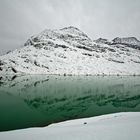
[70, 51]
[127, 40]
[119, 126]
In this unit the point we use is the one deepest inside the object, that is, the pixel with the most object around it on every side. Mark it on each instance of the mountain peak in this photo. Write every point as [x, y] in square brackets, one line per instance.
[74, 30]
[70, 28]
[102, 41]
[127, 40]
[69, 51]
[68, 34]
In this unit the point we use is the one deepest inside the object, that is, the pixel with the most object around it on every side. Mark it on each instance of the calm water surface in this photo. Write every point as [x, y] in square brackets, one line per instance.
[31, 101]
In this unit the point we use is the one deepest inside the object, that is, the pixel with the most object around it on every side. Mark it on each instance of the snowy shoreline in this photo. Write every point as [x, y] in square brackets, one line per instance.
[118, 126]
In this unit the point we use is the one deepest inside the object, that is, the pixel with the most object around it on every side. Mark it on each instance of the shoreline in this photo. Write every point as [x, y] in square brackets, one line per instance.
[123, 126]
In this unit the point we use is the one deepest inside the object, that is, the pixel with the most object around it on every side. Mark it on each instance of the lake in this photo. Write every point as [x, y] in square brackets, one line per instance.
[40, 100]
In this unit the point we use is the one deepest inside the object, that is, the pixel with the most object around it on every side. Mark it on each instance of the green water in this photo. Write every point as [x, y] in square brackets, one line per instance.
[32, 101]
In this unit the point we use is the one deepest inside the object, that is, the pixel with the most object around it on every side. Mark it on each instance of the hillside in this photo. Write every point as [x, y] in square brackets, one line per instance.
[69, 51]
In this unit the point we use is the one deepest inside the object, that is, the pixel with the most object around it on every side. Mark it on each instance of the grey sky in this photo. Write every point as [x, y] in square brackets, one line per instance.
[19, 19]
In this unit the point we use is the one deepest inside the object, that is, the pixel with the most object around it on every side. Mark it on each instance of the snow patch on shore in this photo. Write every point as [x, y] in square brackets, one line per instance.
[118, 126]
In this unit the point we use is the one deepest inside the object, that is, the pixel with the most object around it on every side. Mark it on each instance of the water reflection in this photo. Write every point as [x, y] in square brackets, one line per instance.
[58, 98]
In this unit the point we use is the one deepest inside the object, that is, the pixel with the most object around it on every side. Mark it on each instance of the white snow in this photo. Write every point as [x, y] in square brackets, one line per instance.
[70, 51]
[119, 126]
[127, 40]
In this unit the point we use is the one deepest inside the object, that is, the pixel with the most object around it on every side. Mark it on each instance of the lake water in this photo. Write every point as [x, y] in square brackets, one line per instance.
[31, 101]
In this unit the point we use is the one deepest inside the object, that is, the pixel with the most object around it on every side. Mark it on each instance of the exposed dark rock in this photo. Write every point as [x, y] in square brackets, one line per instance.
[1, 63]
[102, 41]
[62, 46]
[112, 50]
[113, 60]
[36, 39]
[38, 46]
[13, 61]
[85, 48]
[14, 70]
[87, 54]
[14, 77]
[35, 62]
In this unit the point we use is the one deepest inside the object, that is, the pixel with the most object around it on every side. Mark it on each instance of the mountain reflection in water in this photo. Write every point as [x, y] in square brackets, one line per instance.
[41, 100]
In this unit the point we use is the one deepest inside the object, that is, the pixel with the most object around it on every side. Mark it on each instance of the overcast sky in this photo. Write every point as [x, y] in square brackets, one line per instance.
[19, 19]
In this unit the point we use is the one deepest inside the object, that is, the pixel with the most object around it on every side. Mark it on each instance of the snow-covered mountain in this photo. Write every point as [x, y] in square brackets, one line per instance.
[127, 40]
[103, 41]
[70, 51]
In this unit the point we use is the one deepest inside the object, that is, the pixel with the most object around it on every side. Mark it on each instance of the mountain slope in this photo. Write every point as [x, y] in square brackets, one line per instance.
[127, 40]
[70, 51]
